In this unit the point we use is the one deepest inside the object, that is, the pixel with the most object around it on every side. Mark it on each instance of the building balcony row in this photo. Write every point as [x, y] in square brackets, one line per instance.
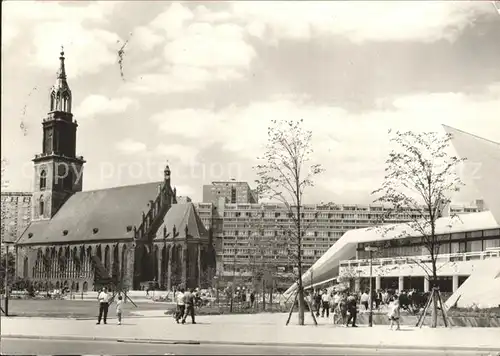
[415, 266]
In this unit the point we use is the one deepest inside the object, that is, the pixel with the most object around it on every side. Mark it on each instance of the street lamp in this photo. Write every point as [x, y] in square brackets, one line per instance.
[217, 289]
[371, 249]
[6, 277]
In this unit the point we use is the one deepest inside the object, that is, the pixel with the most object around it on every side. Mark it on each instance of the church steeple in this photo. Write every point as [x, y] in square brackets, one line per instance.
[58, 170]
[60, 94]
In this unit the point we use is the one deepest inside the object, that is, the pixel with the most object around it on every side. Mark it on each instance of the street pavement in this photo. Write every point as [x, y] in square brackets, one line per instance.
[74, 347]
[254, 329]
[75, 308]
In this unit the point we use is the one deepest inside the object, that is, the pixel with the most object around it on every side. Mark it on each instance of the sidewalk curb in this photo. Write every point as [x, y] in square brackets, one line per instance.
[242, 343]
[87, 317]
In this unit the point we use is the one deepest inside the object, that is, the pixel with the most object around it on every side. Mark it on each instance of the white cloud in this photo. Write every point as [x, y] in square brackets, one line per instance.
[179, 79]
[130, 146]
[206, 45]
[360, 20]
[185, 154]
[59, 24]
[145, 38]
[99, 105]
[184, 190]
[15, 11]
[95, 46]
[350, 145]
[172, 21]
[198, 49]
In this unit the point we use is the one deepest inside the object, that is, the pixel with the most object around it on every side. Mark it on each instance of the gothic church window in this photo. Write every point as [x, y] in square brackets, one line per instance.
[41, 206]
[43, 179]
[58, 101]
[66, 103]
[25, 267]
[52, 101]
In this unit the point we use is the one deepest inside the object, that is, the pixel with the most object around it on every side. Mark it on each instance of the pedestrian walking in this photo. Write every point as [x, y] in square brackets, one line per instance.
[119, 309]
[317, 303]
[325, 303]
[103, 297]
[394, 314]
[179, 313]
[189, 302]
[352, 310]
[365, 298]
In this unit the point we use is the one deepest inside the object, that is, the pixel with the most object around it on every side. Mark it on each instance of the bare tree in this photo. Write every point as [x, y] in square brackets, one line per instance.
[420, 178]
[284, 175]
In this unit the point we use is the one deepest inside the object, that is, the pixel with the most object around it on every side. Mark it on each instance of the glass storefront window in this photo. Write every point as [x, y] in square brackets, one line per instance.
[474, 246]
[491, 243]
[444, 249]
[494, 232]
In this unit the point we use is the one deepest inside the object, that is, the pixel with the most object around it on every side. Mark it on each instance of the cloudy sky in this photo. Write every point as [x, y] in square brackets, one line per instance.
[201, 81]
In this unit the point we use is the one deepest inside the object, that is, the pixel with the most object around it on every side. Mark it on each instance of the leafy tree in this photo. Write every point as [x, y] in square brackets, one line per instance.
[11, 269]
[420, 178]
[284, 175]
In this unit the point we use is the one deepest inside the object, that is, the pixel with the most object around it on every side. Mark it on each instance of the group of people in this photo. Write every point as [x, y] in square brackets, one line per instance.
[409, 300]
[344, 305]
[186, 301]
[105, 299]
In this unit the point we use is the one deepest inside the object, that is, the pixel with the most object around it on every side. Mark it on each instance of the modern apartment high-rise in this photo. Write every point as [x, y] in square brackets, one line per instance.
[246, 231]
[232, 191]
[16, 214]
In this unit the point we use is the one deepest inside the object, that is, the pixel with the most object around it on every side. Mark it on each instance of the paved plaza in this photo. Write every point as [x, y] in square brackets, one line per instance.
[257, 329]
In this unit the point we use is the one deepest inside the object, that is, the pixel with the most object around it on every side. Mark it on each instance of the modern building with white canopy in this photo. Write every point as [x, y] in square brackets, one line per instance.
[468, 240]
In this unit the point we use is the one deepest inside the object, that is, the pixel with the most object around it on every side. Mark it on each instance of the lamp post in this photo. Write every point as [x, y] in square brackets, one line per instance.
[217, 289]
[371, 249]
[6, 278]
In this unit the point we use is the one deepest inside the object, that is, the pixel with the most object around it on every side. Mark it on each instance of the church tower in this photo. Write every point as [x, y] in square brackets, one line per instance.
[58, 171]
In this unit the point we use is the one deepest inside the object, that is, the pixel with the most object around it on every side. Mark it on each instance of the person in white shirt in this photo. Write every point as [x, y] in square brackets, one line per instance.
[181, 307]
[103, 297]
[394, 314]
[335, 301]
[325, 301]
[119, 309]
[365, 299]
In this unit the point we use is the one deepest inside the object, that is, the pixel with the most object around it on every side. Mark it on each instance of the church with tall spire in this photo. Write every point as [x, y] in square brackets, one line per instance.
[129, 235]
[58, 170]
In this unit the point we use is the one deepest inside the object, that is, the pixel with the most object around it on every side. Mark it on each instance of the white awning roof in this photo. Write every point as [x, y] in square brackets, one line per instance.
[483, 163]
[482, 155]
[326, 268]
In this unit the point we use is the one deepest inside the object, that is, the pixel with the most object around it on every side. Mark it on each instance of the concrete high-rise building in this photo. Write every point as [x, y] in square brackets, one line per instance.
[239, 229]
[16, 214]
[232, 191]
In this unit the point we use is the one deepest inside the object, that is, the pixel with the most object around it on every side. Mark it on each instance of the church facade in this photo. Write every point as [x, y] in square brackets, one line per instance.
[129, 234]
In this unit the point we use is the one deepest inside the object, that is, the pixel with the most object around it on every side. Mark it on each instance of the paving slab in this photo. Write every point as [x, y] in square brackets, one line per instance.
[261, 329]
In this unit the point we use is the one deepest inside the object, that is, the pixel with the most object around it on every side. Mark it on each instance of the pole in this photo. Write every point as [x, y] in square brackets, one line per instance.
[6, 289]
[370, 318]
[165, 267]
[234, 275]
[217, 291]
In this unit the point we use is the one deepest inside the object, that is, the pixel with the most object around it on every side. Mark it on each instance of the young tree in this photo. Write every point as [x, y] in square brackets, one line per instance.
[284, 175]
[267, 253]
[420, 177]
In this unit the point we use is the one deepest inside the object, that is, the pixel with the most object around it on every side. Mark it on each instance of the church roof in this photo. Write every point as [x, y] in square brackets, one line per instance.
[180, 216]
[109, 211]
